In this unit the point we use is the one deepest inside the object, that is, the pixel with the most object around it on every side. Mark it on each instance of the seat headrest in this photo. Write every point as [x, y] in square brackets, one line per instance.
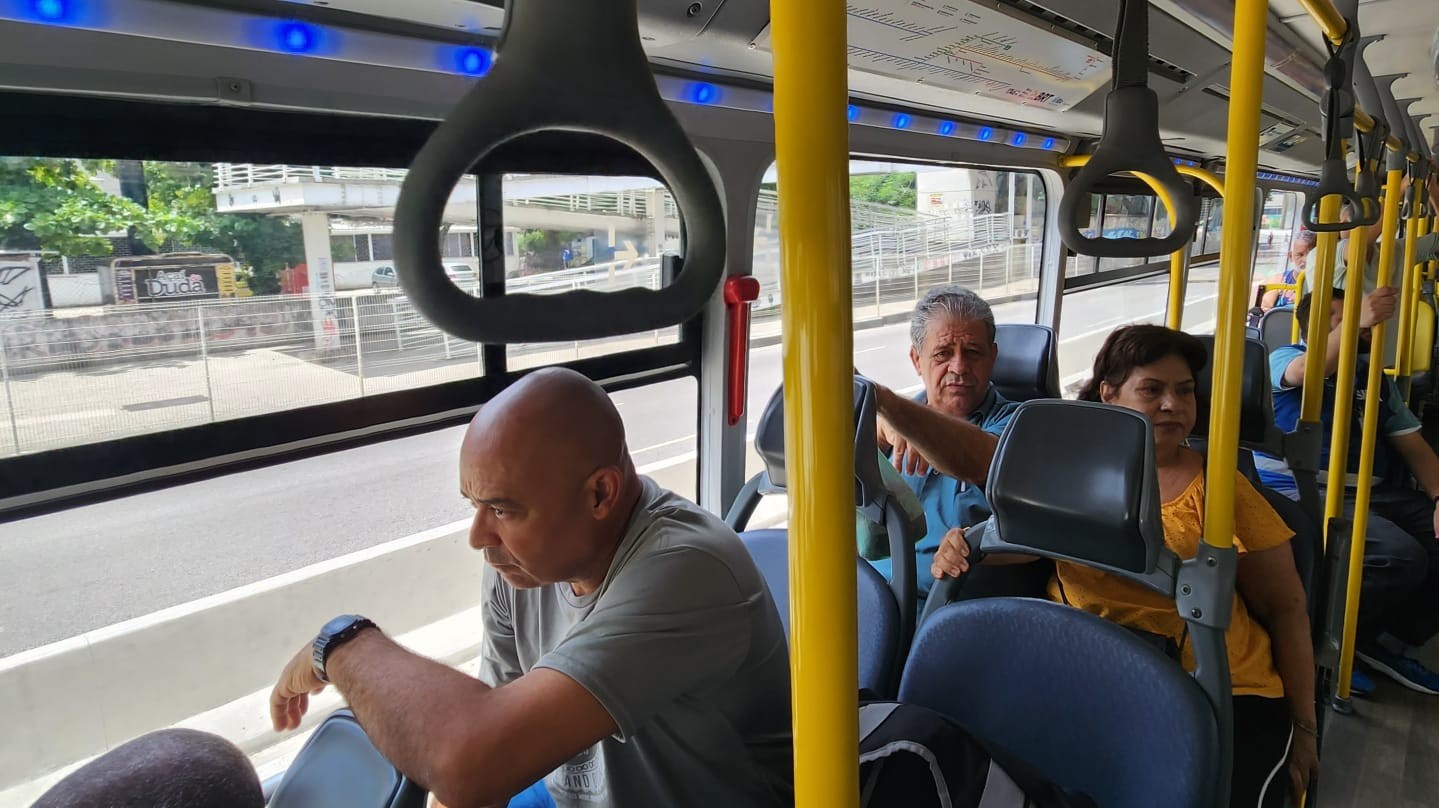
[1256, 404]
[872, 492]
[1076, 481]
[1028, 362]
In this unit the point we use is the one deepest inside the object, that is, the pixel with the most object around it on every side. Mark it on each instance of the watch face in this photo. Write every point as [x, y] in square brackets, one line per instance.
[337, 625]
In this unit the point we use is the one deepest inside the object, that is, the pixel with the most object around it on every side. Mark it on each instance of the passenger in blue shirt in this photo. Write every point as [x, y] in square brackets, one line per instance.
[1399, 602]
[953, 351]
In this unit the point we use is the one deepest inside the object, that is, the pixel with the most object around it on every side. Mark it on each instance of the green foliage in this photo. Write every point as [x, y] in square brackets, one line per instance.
[55, 205]
[52, 204]
[895, 190]
[545, 247]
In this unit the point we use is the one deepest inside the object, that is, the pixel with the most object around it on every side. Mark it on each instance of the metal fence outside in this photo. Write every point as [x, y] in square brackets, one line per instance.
[125, 370]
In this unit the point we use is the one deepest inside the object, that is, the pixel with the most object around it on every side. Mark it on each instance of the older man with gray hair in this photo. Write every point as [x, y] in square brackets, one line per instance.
[944, 441]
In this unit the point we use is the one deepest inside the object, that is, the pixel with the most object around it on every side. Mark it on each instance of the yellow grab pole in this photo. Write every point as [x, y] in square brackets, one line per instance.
[1317, 329]
[1403, 358]
[1370, 436]
[1344, 385]
[1298, 295]
[1236, 250]
[1174, 315]
[812, 156]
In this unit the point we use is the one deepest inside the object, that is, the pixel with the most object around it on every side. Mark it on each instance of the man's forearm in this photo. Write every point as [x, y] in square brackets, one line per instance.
[408, 706]
[952, 445]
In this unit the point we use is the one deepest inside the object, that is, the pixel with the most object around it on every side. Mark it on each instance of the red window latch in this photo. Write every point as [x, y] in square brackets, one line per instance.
[739, 292]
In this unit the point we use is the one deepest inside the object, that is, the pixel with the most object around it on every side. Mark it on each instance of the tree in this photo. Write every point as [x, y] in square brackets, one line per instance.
[545, 248]
[895, 190]
[55, 205]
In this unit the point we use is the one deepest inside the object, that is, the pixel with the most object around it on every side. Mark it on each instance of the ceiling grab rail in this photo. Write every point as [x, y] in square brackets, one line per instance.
[588, 75]
[1339, 124]
[1129, 142]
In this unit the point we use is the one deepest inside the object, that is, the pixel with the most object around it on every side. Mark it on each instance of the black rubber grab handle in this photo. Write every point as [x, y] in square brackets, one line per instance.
[1129, 142]
[1333, 181]
[587, 73]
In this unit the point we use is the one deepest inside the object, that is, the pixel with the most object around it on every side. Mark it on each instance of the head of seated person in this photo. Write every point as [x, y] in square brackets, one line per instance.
[172, 768]
[952, 348]
[1151, 369]
[546, 467]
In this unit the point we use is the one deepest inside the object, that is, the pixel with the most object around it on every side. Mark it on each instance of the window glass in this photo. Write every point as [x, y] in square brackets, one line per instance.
[587, 232]
[143, 296]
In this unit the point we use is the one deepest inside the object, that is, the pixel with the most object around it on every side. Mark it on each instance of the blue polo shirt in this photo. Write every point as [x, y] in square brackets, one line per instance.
[1394, 419]
[949, 502]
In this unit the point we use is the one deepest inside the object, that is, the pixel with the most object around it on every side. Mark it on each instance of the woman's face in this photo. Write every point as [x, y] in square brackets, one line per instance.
[1164, 392]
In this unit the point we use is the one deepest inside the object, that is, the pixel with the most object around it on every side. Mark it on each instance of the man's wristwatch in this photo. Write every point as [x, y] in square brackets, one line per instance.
[337, 632]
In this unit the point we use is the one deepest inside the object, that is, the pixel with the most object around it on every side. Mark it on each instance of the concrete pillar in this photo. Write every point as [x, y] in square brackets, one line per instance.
[315, 228]
[657, 221]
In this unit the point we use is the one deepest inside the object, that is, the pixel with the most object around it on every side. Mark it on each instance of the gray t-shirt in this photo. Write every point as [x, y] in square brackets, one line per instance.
[682, 645]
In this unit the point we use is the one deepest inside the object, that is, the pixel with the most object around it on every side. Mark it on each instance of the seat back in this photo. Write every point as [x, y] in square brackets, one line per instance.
[1276, 327]
[879, 626]
[1086, 702]
[1027, 366]
[1307, 541]
[339, 767]
[1083, 701]
[1257, 430]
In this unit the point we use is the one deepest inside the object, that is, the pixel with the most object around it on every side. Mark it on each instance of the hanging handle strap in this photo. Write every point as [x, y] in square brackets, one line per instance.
[588, 75]
[1129, 142]
[1338, 108]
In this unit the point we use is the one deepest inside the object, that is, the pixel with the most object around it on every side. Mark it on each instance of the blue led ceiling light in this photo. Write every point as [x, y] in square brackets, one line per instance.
[297, 37]
[853, 112]
[1018, 139]
[1049, 143]
[700, 92]
[986, 133]
[901, 121]
[473, 61]
[49, 10]
[946, 128]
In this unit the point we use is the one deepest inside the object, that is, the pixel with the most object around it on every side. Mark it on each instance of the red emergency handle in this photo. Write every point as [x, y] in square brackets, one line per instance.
[739, 292]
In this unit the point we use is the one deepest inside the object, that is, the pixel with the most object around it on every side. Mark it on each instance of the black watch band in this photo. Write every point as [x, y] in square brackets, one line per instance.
[337, 632]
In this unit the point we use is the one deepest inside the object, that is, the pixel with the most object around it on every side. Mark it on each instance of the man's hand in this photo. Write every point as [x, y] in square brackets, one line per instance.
[291, 696]
[905, 458]
[1378, 306]
[1435, 520]
[951, 560]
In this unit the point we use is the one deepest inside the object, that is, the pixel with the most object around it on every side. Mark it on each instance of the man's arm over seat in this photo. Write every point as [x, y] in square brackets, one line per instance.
[952, 445]
[467, 743]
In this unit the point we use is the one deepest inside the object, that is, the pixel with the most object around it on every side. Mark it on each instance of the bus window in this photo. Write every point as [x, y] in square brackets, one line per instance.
[587, 232]
[1128, 216]
[162, 295]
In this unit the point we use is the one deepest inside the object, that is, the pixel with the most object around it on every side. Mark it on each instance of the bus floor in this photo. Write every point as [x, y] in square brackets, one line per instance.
[1386, 753]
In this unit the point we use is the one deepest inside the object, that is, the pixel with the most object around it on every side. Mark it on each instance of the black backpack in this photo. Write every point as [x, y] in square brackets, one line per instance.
[913, 757]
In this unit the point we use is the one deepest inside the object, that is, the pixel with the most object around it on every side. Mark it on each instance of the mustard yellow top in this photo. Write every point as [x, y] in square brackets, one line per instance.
[1257, 527]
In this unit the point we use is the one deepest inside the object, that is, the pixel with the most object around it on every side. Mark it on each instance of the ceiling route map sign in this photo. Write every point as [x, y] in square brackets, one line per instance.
[963, 46]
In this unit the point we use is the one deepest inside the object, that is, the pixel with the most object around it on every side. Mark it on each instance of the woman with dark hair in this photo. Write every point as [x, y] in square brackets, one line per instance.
[1151, 369]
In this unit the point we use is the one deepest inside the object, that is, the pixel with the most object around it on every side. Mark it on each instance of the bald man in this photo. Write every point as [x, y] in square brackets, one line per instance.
[632, 654]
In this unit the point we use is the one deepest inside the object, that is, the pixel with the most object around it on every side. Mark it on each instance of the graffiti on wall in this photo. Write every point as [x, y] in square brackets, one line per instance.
[20, 291]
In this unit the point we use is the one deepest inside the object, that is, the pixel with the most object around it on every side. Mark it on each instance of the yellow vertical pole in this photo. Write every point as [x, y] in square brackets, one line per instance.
[1403, 357]
[1177, 283]
[812, 156]
[1298, 294]
[1317, 329]
[1246, 91]
[1369, 435]
[1344, 383]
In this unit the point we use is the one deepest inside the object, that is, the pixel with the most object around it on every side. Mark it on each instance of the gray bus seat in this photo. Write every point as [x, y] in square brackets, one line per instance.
[1027, 366]
[879, 637]
[339, 767]
[1137, 730]
[1276, 327]
[885, 506]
